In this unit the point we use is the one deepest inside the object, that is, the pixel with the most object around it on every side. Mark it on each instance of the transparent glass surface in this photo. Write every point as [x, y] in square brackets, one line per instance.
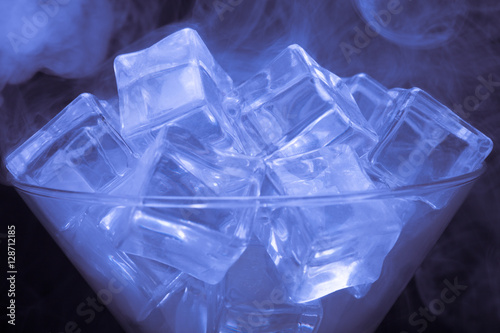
[149, 296]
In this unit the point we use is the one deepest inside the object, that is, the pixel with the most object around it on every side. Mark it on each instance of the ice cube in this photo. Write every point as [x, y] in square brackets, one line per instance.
[111, 112]
[201, 241]
[372, 98]
[191, 306]
[320, 250]
[160, 295]
[323, 247]
[136, 285]
[174, 78]
[426, 142]
[255, 299]
[329, 170]
[293, 106]
[76, 151]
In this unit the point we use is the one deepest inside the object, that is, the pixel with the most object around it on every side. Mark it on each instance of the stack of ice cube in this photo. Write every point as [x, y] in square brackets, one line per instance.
[293, 129]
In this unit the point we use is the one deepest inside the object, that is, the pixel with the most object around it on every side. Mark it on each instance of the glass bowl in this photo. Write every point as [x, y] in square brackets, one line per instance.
[143, 297]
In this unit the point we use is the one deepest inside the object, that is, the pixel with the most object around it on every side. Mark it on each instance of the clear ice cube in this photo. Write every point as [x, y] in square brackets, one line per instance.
[136, 285]
[321, 247]
[76, 151]
[426, 142]
[372, 99]
[255, 299]
[175, 78]
[293, 106]
[329, 170]
[201, 241]
[191, 306]
[161, 297]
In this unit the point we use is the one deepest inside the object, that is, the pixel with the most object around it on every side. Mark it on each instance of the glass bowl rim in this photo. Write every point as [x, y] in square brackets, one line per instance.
[222, 201]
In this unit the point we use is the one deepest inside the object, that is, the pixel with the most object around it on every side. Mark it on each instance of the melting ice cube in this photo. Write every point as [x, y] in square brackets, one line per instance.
[175, 78]
[293, 106]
